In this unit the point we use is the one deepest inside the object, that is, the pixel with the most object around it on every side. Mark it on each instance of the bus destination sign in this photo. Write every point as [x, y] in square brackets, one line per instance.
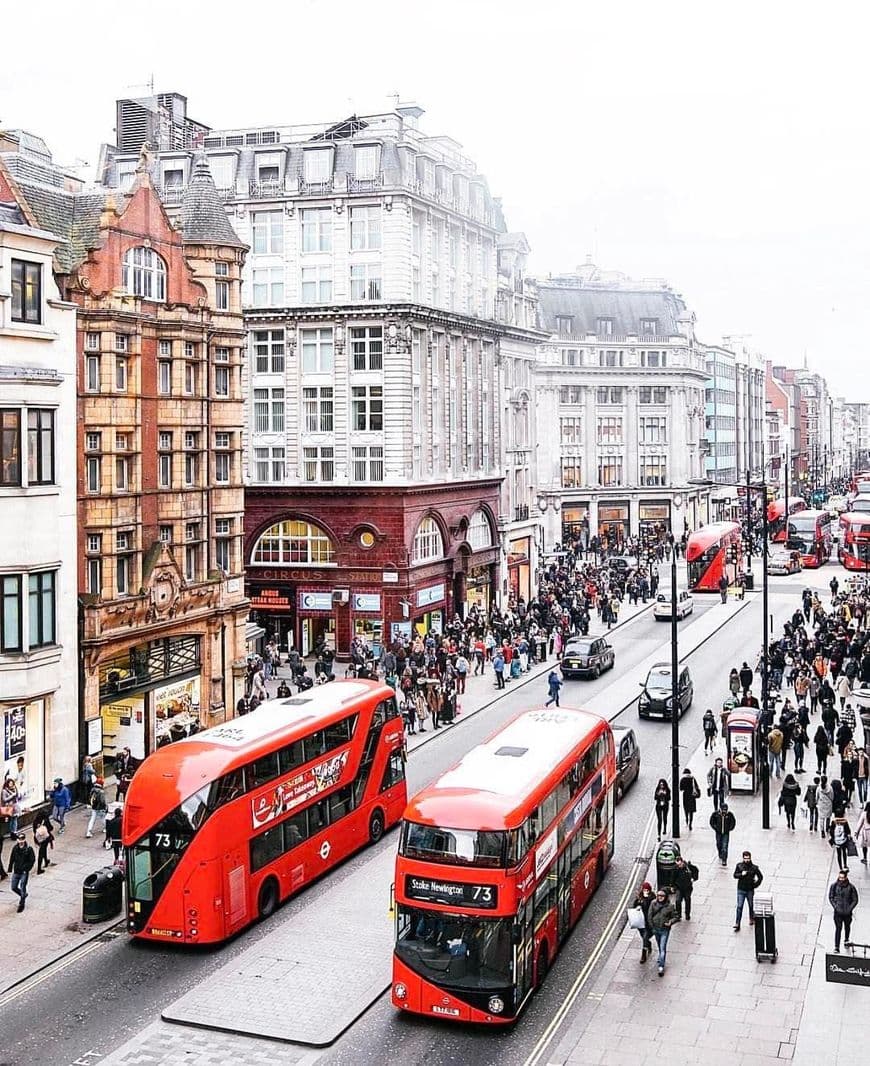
[484, 897]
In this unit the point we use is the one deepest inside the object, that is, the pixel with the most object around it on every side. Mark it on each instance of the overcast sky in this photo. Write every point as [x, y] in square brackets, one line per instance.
[726, 152]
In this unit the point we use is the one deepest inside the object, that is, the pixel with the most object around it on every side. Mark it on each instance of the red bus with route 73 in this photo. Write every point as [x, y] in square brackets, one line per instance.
[497, 860]
[221, 827]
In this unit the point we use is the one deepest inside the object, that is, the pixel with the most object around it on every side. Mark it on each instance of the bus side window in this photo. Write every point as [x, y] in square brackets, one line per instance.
[228, 788]
[318, 817]
[389, 708]
[337, 734]
[340, 804]
[295, 830]
[291, 756]
[394, 771]
[315, 746]
[264, 769]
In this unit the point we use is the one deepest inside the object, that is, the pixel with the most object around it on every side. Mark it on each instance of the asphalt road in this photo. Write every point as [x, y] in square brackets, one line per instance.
[111, 991]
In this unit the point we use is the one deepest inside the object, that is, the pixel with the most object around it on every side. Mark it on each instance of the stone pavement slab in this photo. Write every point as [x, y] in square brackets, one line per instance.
[170, 1045]
[310, 978]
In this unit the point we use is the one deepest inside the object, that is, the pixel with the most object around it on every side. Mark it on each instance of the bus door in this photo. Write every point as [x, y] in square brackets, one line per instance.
[564, 893]
[235, 891]
[524, 937]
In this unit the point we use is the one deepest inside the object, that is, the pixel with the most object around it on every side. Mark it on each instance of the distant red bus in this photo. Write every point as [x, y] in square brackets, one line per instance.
[776, 515]
[707, 552]
[854, 551]
[497, 860]
[812, 529]
[221, 827]
[861, 503]
[860, 483]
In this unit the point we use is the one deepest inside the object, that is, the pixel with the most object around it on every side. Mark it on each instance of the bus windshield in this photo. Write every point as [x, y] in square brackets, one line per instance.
[454, 951]
[465, 847]
[155, 856]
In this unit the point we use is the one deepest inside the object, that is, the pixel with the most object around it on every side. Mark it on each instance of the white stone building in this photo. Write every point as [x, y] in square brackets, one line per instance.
[38, 557]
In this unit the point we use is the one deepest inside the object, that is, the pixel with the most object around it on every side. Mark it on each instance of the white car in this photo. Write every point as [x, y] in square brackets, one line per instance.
[782, 561]
[861, 696]
[663, 605]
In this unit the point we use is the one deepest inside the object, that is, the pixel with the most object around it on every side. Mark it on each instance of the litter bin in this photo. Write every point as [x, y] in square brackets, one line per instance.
[765, 927]
[749, 581]
[667, 854]
[102, 895]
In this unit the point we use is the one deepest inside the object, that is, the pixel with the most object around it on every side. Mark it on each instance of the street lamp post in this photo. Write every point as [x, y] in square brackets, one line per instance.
[765, 691]
[675, 706]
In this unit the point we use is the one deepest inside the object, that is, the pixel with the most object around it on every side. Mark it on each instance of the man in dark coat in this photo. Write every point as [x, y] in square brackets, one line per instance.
[843, 897]
[722, 822]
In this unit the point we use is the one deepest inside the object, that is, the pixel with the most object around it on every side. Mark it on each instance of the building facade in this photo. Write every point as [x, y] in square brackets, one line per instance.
[623, 378]
[38, 558]
[160, 346]
[860, 413]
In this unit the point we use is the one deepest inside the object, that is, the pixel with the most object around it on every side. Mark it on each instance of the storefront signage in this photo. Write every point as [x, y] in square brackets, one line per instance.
[15, 732]
[366, 601]
[177, 698]
[545, 852]
[430, 594]
[271, 599]
[400, 631]
[451, 892]
[654, 512]
[847, 970]
[287, 795]
[436, 622]
[281, 574]
[390, 577]
[315, 601]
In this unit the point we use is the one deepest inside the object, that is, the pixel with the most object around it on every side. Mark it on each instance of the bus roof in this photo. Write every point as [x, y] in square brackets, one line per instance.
[497, 784]
[175, 772]
[854, 518]
[809, 515]
[776, 507]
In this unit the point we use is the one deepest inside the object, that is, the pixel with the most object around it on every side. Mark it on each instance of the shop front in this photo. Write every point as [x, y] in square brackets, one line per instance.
[368, 619]
[519, 562]
[24, 750]
[613, 517]
[272, 609]
[478, 584]
[575, 523]
[316, 616]
[429, 607]
[654, 521]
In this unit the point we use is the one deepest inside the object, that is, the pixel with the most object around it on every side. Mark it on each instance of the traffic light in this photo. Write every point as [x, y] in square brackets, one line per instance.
[732, 554]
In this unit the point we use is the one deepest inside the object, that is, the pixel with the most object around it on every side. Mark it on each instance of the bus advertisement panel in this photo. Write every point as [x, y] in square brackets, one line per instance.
[776, 515]
[221, 827]
[497, 860]
[854, 550]
[811, 533]
[709, 551]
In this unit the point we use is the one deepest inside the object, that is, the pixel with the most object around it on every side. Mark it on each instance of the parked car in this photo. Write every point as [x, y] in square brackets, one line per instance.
[664, 605]
[655, 699]
[586, 657]
[782, 562]
[627, 758]
[620, 563]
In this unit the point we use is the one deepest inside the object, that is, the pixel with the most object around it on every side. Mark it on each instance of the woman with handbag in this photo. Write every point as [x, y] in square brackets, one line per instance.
[840, 837]
[690, 791]
[788, 799]
[43, 838]
[638, 918]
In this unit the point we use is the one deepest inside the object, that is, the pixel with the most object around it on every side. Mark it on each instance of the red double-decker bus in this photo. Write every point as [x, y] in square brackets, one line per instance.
[854, 551]
[809, 532]
[776, 515]
[221, 827]
[497, 860]
[709, 554]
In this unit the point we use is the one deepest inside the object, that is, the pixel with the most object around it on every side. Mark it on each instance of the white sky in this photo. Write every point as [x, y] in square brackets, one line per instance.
[723, 147]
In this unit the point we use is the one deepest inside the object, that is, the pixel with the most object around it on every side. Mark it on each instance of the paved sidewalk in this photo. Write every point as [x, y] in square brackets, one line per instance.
[716, 1004]
[51, 925]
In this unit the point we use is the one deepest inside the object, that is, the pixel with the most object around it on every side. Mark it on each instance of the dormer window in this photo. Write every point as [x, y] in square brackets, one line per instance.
[145, 274]
[604, 327]
[26, 291]
[318, 165]
[564, 325]
[649, 327]
[365, 161]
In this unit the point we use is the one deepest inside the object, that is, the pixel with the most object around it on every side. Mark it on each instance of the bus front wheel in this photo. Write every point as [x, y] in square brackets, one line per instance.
[267, 900]
[376, 826]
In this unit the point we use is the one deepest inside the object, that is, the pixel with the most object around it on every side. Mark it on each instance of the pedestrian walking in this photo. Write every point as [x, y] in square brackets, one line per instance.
[746, 676]
[87, 778]
[775, 740]
[823, 749]
[843, 897]
[799, 740]
[862, 773]
[10, 802]
[61, 802]
[788, 799]
[722, 822]
[685, 875]
[840, 836]
[723, 588]
[825, 802]
[811, 797]
[113, 832]
[554, 684]
[498, 667]
[710, 730]
[662, 915]
[718, 784]
[690, 793]
[43, 838]
[21, 861]
[734, 683]
[748, 878]
[662, 800]
[862, 833]
[643, 900]
[98, 805]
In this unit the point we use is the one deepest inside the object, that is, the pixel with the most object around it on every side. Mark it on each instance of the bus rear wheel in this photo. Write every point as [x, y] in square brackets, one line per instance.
[267, 899]
[543, 965]
[376, 826]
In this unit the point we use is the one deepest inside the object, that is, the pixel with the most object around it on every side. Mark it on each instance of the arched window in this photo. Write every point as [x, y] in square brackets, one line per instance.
[145, 274]
[294, 542]
[479, 530]
[427, 542]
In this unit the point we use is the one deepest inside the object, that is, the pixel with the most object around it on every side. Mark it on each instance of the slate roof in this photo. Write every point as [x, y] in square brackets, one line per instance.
[11, 214]
[626, 307]
[73, 217]
[203, 215]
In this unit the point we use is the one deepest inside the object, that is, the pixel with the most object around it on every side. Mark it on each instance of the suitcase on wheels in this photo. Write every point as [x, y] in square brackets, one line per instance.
[765, 937]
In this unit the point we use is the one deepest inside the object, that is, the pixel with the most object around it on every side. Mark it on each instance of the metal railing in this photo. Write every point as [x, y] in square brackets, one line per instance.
[265, 190]
[521, 512]
[316, 188]
[365, 184]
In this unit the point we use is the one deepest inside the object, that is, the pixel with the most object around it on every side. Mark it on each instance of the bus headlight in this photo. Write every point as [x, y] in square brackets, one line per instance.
[496, 1004]
[400, 991]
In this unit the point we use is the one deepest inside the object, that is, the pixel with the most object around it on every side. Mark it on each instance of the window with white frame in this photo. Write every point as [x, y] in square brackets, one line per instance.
[92, 373]
[570, 357]
[610, 357]
[222, 468]
[571, 430]
[294, 542]
[610, 429]
[124, 574]
[269, 410]
[94, 575]
[570, 395]
[192, 555]
[41, 608]
[604, 327]
[655, 360]
[317, 284]
[367, 407]
[164, 470]
[368, 462]
[122, 442]
[94, 543]
[267, 286]
[428, 542]
[366, 158]
[365, 281]
[269, 351]
[222, 295]
[122, 474]
[609, 470]
[191, 469]
[93, 441]
[145, 274]
[479, 530]
[318, 463]
[653, 429]
[164, 377]
[93, 474]
[365, 228]
[269, 465]
[123, 540]
[191, 440]
[191, 379]
[367, 347]
[649, 327]
[317, 165]
[317, 409]
[647, 394]
[564, 325]
[40, 446]
[221, 372]
[571, 472]
[92, 342]
[122, 342]
[120, 373]
[189, 350]
[609, 395]
[164, 534]
[223, 554]
[653, 470]
[267, 232]
[164, 349]
[316, 229]
[317, 351]
[26, 286]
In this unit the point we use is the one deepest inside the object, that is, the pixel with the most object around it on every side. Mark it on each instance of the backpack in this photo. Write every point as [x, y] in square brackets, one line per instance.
[41, 834]
[98, 800]
[693, 870]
